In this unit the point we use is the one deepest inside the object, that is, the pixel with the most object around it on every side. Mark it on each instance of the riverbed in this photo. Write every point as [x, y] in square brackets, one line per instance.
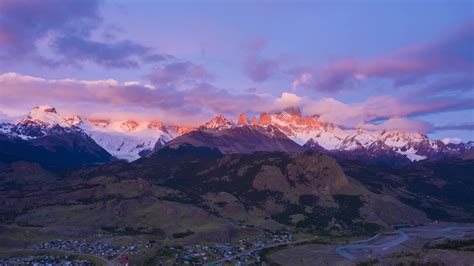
[403, 240]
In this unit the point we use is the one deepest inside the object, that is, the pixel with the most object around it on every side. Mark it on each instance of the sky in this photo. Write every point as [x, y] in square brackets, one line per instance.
[405, 65]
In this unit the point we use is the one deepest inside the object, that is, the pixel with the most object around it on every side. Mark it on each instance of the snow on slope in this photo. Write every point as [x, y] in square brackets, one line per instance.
[300, 129]
[219, 122]
[414, 145]
[123, 139]
[44, 115]
[126, 139]
[356, 140]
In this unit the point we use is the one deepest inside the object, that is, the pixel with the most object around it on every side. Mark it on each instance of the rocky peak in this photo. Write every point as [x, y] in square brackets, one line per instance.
[254, 121]
[99, 122]
[397, 136]
[358, 140]
[242, 120]
[74, 120]
[156, 125]
[45, 116]
[219, 122]
[312, 145]
[176, 131]
[129, 125]
[265, 119]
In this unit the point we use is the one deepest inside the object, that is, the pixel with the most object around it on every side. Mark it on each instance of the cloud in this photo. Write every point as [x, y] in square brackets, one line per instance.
[288, 100]
[464, 126]
[179, 72]
[447, 55]
[4, 118]
[448, 85]
[453, 140]
[198, 101]
[66, 27]
[257, 67]
[399, 124]
[304, 79]
[23, 23]
[119, 54]
[340, 75]
[378, 108]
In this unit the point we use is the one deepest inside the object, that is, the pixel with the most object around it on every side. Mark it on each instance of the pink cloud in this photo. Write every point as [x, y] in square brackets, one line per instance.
[378, 108]
[179, 72]
[449, 54]
[399, 124]
[69, 26]
[201, 100]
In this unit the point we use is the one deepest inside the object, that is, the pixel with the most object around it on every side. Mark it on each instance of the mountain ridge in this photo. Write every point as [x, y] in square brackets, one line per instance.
[130, 139]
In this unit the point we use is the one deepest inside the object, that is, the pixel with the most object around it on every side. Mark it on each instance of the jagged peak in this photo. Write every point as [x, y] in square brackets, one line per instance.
[295, 110]
[219, 122]
[254, 121]
[403, 135]
[74, 120]
[265, 119]
[311, 143]
[44, 115]
[99, 122]
[129, 125]
[157, 125]
[242, 120]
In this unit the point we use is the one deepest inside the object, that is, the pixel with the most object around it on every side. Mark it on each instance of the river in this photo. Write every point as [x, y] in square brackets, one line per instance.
[383, 242]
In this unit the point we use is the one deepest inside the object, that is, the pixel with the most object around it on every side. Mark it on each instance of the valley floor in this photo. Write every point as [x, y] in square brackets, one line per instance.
[444, 244]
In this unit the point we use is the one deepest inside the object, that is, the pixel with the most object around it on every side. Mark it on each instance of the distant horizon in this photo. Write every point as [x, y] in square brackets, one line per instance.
[17, 119]
[398, 64]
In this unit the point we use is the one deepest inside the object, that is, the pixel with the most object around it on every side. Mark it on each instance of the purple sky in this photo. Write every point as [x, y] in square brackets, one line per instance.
[370, 64]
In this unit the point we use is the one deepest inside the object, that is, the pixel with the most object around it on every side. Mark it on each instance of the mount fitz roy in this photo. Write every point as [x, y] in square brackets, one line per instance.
[129, 140]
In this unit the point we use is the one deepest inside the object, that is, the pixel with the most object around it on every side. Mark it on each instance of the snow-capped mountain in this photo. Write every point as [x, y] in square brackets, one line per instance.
[131, 139]
[219, 122]
[126, 139]
[45, 116]
[300, 128]
[45, 137]
[318, 135]
[42, 120]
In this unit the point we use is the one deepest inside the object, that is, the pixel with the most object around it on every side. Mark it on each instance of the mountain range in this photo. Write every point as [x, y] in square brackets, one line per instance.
[70, 178]
[287, 131]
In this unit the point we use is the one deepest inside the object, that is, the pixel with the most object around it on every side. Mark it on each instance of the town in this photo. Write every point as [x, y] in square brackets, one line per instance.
[101, 249]
[242, 251]
[45, 259]
[245, 250]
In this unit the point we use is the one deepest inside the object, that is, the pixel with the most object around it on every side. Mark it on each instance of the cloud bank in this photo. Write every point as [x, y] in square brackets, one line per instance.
[449, 54]
[201, 100]
[66, 27]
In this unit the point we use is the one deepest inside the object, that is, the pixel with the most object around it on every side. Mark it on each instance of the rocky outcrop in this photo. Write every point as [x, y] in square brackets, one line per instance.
[316, 174]
[265, 119]
[305, 174]
[242, 120]
[219, 122]
[254, 121]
